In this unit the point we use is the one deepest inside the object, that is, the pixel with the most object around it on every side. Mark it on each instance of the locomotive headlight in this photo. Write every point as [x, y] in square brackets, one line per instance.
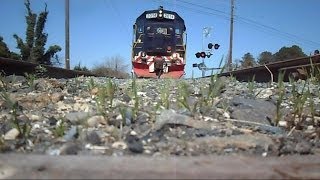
[175, 55]
[160, 13]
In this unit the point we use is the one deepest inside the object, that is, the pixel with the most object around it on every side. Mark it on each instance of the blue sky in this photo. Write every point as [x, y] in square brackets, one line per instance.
[100, 29]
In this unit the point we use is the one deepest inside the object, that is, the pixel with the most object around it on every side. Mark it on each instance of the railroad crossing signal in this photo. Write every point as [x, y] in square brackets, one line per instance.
[204, 54]
[202, 66]
[201, 54]
[215, 46]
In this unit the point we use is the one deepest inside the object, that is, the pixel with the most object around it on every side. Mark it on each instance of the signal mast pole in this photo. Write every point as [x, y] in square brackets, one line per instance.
[231, 38]
[67, 42]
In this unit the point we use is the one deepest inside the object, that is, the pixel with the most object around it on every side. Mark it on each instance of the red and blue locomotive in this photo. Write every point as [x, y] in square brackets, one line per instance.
[159, 45]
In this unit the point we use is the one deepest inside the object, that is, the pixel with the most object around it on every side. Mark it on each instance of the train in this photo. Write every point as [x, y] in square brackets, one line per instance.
[159, 45]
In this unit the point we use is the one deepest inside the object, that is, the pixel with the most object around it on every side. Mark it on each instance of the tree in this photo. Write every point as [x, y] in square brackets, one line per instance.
[33, 49]
[80, 68]
[112, 67]
[5, 52]
[247, 61]
[116, 63]
[265, 58]
[236, 64]
[289, 53]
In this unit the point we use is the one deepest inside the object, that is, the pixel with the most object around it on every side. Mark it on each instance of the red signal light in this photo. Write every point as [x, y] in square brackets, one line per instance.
[203, 54]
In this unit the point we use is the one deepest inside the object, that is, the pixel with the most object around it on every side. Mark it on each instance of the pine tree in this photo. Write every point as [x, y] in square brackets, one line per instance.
[33, 49]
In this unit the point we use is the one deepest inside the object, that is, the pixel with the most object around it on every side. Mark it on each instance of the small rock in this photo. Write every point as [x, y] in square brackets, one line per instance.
[11, 134]
[70, 149]
[36, 126]
[76, 117]
[56, 97]
[228, 150]
[94, 121]
[143, 94]
[263, 93]
[303, 147]
[52, 121]
[54, 152]
[133, 133]
[310, 128]
[126, 98]
[93, 138]
[134, 144]
[258, 110]
[119, 145]
[81, 107]
[33, 117]
[283, 123]
[71, 134]
[226, 115]
[94, 91]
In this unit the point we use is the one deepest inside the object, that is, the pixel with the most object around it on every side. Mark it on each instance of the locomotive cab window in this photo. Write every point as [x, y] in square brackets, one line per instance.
[140, 29]
[178, 31]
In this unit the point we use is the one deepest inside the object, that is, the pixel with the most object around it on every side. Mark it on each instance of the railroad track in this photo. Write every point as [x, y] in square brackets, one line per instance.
[17, 166]
[15, 67]
[262, 73]
[270, 72]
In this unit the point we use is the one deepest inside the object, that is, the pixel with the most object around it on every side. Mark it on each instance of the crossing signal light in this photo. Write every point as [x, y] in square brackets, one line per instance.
[198, 55]
[215, 46]
[203, 54]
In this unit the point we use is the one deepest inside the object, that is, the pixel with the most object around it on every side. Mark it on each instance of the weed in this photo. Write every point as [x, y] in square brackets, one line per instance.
[183, 94]
[59, 129]
[105, 95]
[101, 100]
[91, 84]
[3, 83]
[299, 100]
[281, 92]
[136, 99]
[24, 128]
[164, 96]
[110, 89]
[30, 80]
[251, 86]
[40, 71]
[215, 86]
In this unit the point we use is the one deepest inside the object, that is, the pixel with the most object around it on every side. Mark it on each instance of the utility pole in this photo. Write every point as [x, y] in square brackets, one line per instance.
[203, 71]
[231, 38]
[67, 42]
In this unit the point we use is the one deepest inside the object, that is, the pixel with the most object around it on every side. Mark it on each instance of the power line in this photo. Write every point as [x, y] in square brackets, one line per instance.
[116, 12]
[197, 11]
[257, 24]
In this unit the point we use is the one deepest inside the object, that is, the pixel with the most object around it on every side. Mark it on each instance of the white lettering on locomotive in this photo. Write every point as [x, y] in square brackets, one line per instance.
[168, 16]
[151, 15]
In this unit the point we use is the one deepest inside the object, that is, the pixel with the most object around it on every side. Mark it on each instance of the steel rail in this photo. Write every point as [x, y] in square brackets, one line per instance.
[262, 74]
[18, 166]
[16, 67]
